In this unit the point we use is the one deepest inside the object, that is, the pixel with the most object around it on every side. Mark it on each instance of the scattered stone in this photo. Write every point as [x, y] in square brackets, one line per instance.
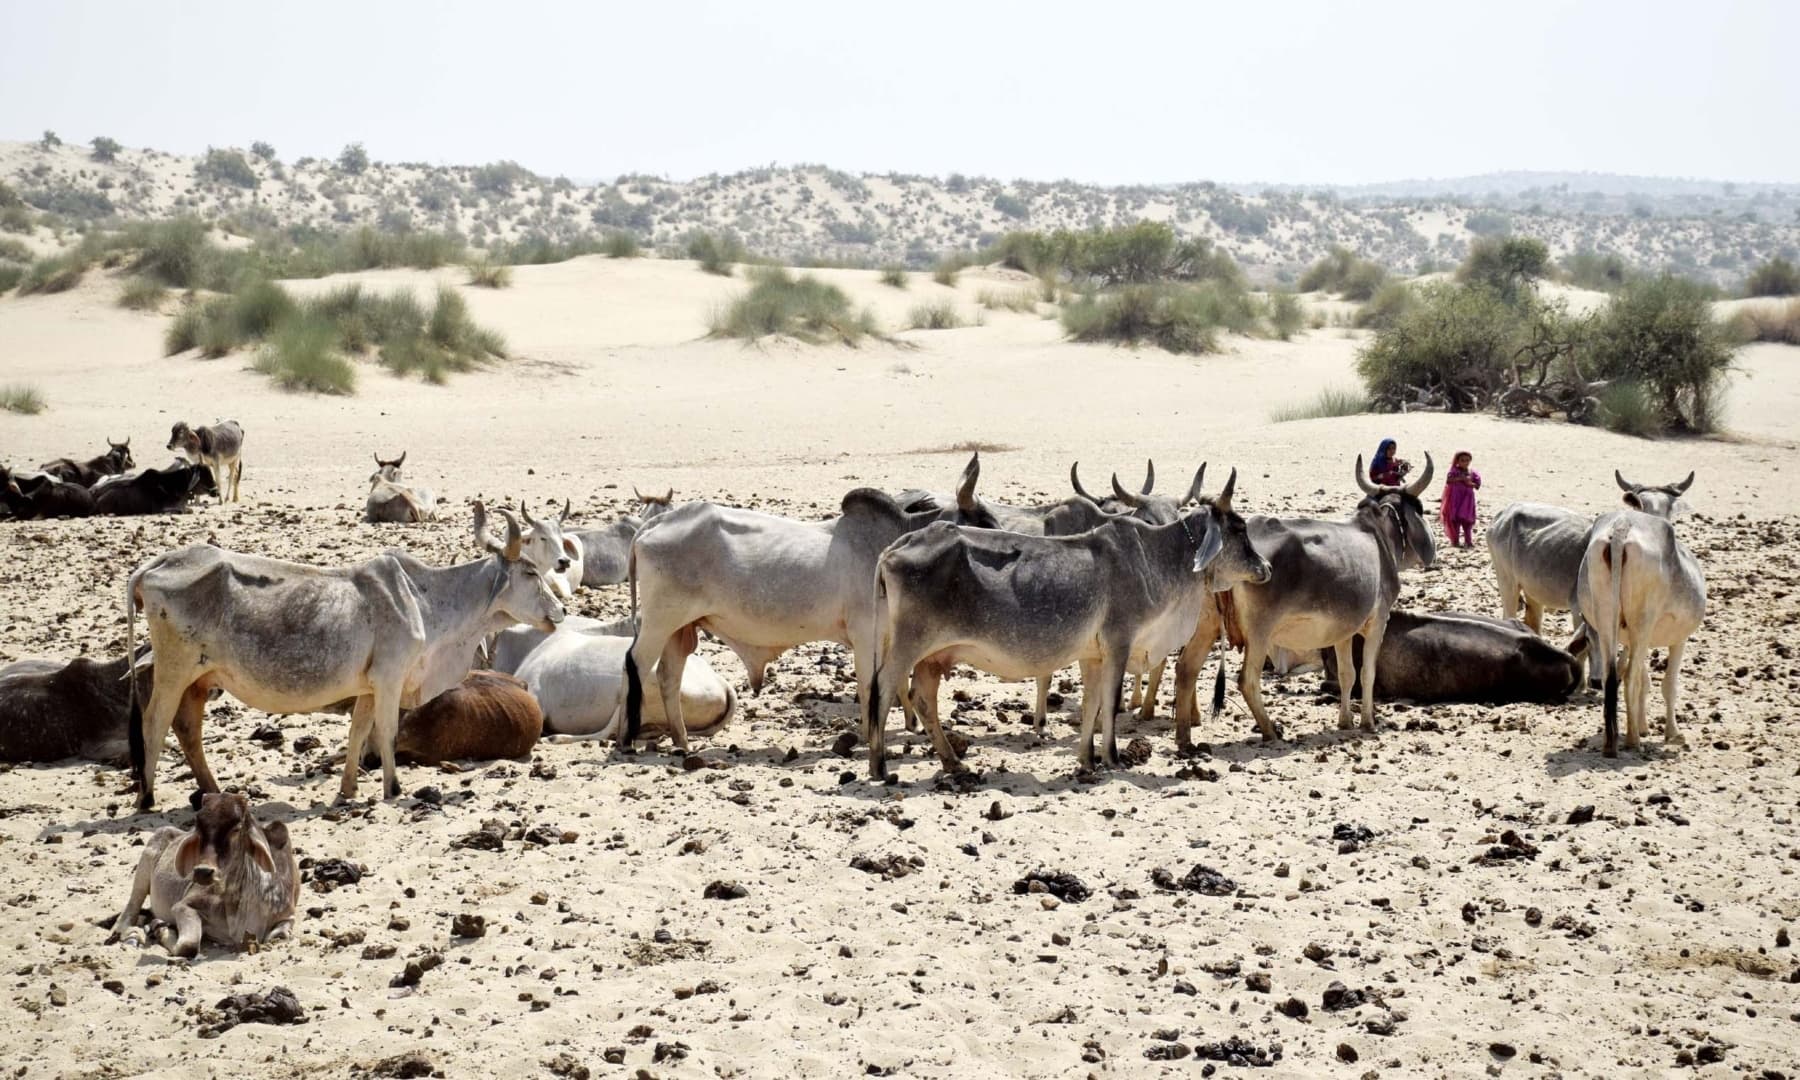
[565, 1065]
[276, 1005]
[306, 744]
[490, 837]
[845, 744]
[328, 874]
[467, 924]
[1511, 846]
[1258, 982]
[1382, 1024]
[673, 1051]
[58, 996]
[888, 866]
[1533, 916]
[1316, 952]
[1782, 940]
[1351, 838]
[1061, 885]
[406, 1066]
[1293, 1008]
[1581, 815]
[1503, 1051]
[1346, 1053]
[725, 890]
[1137, 753]
[1239, 1052]
[613, 1055]
[1166, 1051]
[1339, 997]
[430, 795]
[1200, 879]
[542, 835]
[416, 969]
[267, 735]
[996, 812]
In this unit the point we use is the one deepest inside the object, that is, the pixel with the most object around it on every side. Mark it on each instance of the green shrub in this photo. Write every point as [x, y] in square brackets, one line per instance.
[1331, 401]
[1768, 322]
[1019, 300]
[226, 167]
[1592, 270]
[620, 245]
[1343, 273]
[716, 253]
[10, 275]
[804, 308]
[1506, 265]
[501, 177]
[1286, 315]
[1178, 318]
[49, 140]
[1777, 277]
[1660, 333]
[1626, 409]
[303, 355]
[353, 159]
[945, 272]
[1450, 336]
[143, 294]
[176, 253]
[894, 275]
[16, 219]
[15, 251]
[21, 398]
[105, 149]
[1385, 308]
[262, 150]
[53, 274]
[184, 330]
[1012, 206]
[939, 314]
[489, 275]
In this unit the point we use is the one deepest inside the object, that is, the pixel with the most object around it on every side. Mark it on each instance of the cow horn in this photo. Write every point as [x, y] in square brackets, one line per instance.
[1681, 488]
[565, 512]
[1197, 489]
[401, 460]
[965, 489]
[1362, 478]
[1075, 481]
[1149, 475]
[483, 536]
[1624, 484]
[1223, 503]
[668, 497]
[1124, 496]
[378, 462]
[514, 539]
[1417, 488]
[529, 520]
[638, 495]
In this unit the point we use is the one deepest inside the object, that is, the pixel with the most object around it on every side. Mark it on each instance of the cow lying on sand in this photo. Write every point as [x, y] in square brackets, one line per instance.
[488, 715]
[227, 880]
[51, 709]
[1457, 656]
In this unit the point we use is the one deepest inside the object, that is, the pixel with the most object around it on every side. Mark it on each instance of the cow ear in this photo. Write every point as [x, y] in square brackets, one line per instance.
[187, 855]
[1211, 541]
[1679, 509]
[569, 548]
[277, 834]
[259, 851]
[1631, 500]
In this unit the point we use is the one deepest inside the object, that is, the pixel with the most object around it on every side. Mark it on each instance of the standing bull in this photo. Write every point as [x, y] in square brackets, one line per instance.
[219, 447]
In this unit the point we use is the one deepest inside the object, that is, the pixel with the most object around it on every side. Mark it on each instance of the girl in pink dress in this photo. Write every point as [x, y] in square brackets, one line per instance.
[1459, 500]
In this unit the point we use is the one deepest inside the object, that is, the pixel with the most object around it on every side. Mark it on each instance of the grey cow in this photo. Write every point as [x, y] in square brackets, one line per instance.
[227, 880]
[393, 501]
[1020, 606]
[606, 552]
[1537, 549]
[764, 584]
[1638, 589]
[1332, 581]
[219, 446]
[284, 637]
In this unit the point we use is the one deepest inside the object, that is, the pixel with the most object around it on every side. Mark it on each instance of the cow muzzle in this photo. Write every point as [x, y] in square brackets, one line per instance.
[203, 875]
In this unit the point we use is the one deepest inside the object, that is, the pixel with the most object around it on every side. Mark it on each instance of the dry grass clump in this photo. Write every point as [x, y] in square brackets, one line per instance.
[939, 314]
[1024, 301]
[21, 398]
[803, 308]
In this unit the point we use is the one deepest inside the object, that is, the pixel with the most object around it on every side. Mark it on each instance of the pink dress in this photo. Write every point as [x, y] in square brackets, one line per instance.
[1459, 497]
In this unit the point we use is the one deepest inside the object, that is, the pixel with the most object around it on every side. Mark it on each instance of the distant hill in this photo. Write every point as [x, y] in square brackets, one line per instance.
[1709, 229]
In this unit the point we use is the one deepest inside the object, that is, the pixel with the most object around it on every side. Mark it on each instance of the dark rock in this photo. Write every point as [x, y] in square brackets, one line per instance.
[267, 734]
[430, 795]
[490, 837]
[1166, 1051]
[306, 744]
[1258, 982]
[468, 925]
[996, 812]
[1346, 1053]
[1136, 753]
[1503, 1051]
[1237, 1051]
[725, 890]
[565, 1064]
[328, 874]
[1293, 1008]
[276, 1005]
[1533, 916]
[405, 1066]
[1581, 815]
[1782, 940]
[1063, 886]
[1339, 997]
[888, 866]
[845, 743]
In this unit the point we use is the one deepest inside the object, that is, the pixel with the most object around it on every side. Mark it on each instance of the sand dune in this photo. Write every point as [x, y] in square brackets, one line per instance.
[1654, 933]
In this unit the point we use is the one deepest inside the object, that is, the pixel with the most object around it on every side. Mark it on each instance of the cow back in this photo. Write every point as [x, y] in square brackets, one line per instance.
[490, 715]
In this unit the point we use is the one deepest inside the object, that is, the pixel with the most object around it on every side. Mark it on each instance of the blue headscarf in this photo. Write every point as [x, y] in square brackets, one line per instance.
[1383, 454]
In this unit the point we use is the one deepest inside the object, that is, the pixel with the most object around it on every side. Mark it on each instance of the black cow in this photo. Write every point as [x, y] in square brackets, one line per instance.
[51, 710]
[1457, 656]
[115, 461]
[156, 491]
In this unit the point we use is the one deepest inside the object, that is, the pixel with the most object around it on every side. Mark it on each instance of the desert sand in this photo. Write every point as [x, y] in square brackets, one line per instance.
[1641, 940]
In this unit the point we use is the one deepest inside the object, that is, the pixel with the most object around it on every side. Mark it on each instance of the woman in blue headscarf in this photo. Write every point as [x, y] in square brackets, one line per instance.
[1388, 469]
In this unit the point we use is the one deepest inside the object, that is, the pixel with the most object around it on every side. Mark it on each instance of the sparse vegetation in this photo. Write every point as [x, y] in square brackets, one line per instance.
[804, 308]
[939, 314]
[1141, 252]
[304, 355]
[1777, 277]
[143, 294]
[1178, 318]
[1286, 315]
[945, 272]
[1019, 300]
[894, 276]
[488, 274]
[10, 274]
[1627, 410]
[1507, 265]
[620, 245]
[262, 150]
[226, 167]
[105, 149]
[1592, 270]
[1385, 308]
[353, 159]
[1661, 334]
[53, 274]
[716, 253]
[21, 398]
[1331, 401]
[1453, 340]
[1778, 323]
[49, 141]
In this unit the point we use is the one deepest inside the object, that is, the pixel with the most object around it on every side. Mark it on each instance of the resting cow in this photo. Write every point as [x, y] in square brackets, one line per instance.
[219, 447]
[40, 495]
[227, 880]
[605, 552]
[577, 675]
[115, 461]
[1458, 656]
[155, 491]
[489, 715]
[53, 709]
[394, 502]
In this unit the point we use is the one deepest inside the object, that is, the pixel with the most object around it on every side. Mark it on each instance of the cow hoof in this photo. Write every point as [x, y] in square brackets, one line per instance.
[392, 789]
[344, 798]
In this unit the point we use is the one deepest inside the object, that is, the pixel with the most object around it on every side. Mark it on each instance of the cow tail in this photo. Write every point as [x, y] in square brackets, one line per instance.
[872, 707]
[1615, 542]
[634, 683]
[135, 724]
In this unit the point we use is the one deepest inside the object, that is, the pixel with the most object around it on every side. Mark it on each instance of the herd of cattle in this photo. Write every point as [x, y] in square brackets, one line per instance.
[109, 484]
[479, 659]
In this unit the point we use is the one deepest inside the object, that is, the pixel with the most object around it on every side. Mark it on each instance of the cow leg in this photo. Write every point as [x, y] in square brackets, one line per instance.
[1148, 710]
[187, 931]
[925, 683]
[387, 729]
[237, 475]
[190, 714]
[646, 650]
[140, 882]
[1372, 635]
[1534, 615]
[1112, 681]
[1671, 692]
[165, 697]
[1042, 710]
[1250, 685]
[1346, 679]
[362, 718]
[1509, 597]
[1090, 715]
[668, 681]
[887, 683]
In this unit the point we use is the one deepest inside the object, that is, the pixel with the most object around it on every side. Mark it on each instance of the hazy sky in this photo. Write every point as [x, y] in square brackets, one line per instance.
[1103, 90]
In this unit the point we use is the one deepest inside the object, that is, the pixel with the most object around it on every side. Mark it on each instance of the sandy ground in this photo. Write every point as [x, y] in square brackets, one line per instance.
[1628, 942]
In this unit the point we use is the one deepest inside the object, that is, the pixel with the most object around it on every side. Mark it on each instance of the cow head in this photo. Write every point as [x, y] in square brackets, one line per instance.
[182, 438]
[1235, 560]
[1121, 500]
[969, 509]
[1662, 500]
[388, 470]
[8, 484]
[200, 481]
[118, 455]
[520, 591]
[1405, 514]
[224, 837]
[654, 505]
[553, 551]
